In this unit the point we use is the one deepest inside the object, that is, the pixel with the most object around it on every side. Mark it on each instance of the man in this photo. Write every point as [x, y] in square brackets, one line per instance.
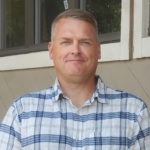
[78, 111]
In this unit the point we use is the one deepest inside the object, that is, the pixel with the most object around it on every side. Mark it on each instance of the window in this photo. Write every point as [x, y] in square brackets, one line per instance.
[108, 16]
[44, 15]
[13, 26]
[107, 13]
[15, 19]
[25, 28]
[141, 38]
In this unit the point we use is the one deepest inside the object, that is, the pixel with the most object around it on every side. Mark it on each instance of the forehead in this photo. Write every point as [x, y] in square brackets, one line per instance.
[73, 25]
[72, 20]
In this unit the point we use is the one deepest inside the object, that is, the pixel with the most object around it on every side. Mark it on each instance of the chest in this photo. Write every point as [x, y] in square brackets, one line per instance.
[71, 130]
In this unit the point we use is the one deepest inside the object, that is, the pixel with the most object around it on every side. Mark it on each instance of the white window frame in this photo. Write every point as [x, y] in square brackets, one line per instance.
[109, 52]
[141, 41]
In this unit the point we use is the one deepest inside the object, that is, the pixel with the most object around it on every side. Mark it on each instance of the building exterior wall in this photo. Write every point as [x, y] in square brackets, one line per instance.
[131, 76]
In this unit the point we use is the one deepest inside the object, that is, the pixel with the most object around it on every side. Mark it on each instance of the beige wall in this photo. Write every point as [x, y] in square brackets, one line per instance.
[131, 76]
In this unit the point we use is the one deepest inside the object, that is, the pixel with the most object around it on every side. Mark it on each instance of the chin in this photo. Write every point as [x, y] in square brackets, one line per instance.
[75, 74]
[75, 71]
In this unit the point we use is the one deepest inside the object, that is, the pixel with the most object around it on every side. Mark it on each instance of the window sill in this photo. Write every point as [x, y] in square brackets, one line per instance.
[109, 52]
[25, 61]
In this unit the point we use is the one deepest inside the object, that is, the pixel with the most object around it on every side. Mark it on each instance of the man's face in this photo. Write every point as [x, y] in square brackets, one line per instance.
[74, 48]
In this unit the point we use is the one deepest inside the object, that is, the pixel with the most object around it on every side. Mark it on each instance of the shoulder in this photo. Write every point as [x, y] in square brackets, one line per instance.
[115, 94]
[121, 99]
[131, 102]
[45, 94]
[32, 101]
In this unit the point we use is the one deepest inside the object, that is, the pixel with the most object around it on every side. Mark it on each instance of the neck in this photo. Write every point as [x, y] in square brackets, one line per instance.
[78, 92]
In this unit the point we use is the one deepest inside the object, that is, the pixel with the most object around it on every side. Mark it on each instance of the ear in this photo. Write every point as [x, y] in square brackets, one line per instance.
[50, 49]
[99, 51]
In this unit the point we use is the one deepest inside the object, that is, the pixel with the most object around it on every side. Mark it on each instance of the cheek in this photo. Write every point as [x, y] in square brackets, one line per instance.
[58, 58]
[92, 55]
[56, 54]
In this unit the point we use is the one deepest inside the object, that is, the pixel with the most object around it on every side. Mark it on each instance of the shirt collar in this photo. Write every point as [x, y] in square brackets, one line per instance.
[59, 93]
[99, 93]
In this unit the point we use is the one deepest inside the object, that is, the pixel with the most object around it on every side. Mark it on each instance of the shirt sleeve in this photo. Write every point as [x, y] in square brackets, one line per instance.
[10, 137]
[141, 141]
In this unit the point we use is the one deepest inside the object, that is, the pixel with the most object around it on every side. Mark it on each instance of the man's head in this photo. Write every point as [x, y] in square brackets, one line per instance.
[78, 14]
[74, 48]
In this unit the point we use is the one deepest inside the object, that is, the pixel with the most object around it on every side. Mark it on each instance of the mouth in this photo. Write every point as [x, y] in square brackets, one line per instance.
[75, 60]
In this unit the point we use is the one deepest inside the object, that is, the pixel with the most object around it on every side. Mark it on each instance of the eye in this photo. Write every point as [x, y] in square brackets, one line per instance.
[65, 42]
[85, 42]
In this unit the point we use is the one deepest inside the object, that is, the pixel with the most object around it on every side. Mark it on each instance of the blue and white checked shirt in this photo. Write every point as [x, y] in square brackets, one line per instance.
[47, 120]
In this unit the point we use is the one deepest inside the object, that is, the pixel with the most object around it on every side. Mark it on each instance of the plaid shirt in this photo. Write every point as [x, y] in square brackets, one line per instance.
[47, 120]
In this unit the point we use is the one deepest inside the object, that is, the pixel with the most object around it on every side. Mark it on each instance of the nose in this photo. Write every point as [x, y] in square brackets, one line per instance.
[75, 50]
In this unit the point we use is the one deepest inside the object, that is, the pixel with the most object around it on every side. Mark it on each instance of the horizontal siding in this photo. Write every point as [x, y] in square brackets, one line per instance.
[131, 76]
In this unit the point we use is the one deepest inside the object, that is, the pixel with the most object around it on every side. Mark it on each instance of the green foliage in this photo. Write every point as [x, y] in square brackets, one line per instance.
[15, 22]
[107, 14]
[49, 10]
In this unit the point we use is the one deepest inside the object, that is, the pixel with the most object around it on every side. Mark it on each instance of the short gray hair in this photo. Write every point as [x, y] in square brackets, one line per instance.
[78, 14]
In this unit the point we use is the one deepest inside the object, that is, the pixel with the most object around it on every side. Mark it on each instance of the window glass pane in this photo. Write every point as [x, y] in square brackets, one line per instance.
[145, 18]
[149, 19]
[15, 23]
[49, 10]
[108, 16]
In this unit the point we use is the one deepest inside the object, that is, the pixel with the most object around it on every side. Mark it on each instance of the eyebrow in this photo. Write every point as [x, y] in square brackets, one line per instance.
[82, 39]
[65, 38]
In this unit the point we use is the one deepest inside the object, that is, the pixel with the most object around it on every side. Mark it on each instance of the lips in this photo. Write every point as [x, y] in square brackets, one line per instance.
[75, 61]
